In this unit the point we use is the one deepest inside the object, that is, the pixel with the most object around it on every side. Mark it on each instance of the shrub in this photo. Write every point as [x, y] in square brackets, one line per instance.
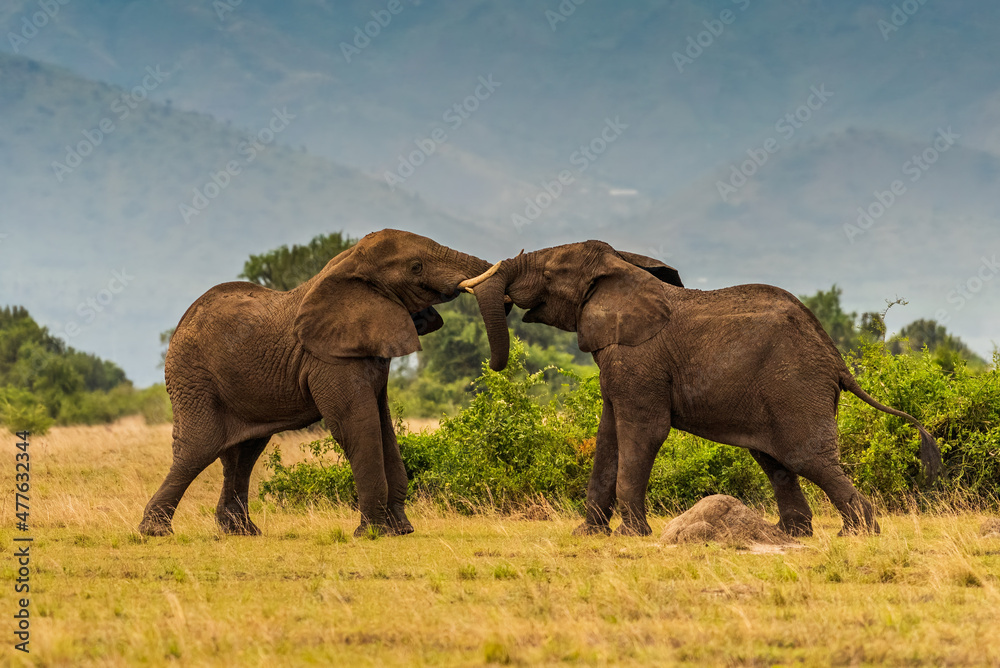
[507, 447]
[308, 482]
[20, 410]
[959, 407]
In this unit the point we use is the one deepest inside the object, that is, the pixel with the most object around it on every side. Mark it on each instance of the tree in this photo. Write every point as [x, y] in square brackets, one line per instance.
[946, 348]
[285, 268]
[839, 324]
[41, 378]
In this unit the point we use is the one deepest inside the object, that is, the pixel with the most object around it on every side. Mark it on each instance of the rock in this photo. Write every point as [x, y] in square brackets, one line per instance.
[990, 528]
[722, 518]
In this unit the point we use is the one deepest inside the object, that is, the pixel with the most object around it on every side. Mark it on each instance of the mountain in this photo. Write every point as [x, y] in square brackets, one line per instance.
[559, 78]
[795, 223]
[848, 91]
[99, 247]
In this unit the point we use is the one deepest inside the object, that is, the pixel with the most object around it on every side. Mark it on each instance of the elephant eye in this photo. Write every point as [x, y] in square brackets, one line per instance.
[416, 266]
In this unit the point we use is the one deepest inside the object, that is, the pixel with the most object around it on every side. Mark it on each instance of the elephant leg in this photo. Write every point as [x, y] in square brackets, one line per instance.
[352, 412]
[639, 440]
[793, 509]
[601, 490]
[238, 461]
[395, 472]
[188, 462]
[822, 466]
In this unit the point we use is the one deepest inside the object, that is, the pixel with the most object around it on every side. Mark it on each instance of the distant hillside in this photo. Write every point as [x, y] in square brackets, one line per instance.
[787, 225]
[119, 209]
[559, 79]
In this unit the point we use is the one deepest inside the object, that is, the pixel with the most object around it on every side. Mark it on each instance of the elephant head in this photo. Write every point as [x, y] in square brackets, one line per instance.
[604, 295]
[376, 298]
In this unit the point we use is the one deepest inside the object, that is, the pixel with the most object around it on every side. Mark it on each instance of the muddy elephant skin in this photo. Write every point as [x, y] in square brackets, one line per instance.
[749, 366]
[246, 362]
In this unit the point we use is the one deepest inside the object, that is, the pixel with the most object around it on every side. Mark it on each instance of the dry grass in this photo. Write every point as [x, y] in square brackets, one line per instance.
[468, 590]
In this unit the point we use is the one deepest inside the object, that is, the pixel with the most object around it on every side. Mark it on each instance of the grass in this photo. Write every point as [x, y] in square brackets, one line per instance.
[486, 589]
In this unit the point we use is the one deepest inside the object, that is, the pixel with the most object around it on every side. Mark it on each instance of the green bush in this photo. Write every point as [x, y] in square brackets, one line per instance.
[507, 447]
[959, 407]
[689, 468]
[20, 410]
[101, 407]
[308, 482]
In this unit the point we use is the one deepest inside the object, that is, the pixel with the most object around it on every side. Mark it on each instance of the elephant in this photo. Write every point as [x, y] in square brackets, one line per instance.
[748, 366]
[246, 362]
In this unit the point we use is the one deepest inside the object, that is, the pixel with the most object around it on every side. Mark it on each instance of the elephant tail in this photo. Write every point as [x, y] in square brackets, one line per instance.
[930, 453]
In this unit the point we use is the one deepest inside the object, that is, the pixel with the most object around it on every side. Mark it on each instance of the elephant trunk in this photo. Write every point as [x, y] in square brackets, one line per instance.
[490, 295]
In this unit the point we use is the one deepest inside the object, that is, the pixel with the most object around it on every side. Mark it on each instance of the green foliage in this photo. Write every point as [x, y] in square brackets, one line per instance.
[285, 268]
[959, 407]
[443, 379]
[948, 350]
[20, 410]
[851, 336]
[45, 382]
[508, 447]
[504, 449]
[306, 482]
[689, 468]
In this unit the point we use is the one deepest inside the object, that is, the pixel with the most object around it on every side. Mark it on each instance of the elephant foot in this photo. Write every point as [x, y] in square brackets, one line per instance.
[797, 528]
[588, 529]
[633, 530]
[399, 529]
[372, 530]
[150, 527]
[399, 523]
[237, 525]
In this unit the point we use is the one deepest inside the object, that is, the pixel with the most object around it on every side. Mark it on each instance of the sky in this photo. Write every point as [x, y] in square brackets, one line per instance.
[798, 143]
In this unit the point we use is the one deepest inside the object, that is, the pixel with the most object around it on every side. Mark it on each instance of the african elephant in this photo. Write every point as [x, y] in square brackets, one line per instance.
[749, 366]
[246, 362]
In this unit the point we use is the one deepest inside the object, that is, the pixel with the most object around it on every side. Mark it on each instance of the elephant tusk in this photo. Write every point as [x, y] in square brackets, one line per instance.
[470, 283]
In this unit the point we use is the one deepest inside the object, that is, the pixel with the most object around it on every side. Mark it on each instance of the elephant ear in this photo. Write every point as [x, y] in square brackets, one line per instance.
[427, 321]
[662, 271]
[623, 306]
[347, 317]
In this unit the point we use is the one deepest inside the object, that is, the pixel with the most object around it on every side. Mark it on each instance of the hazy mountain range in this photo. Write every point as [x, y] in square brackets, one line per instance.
[531, 90]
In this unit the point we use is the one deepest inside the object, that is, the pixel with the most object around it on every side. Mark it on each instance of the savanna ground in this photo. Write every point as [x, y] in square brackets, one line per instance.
[465, 590]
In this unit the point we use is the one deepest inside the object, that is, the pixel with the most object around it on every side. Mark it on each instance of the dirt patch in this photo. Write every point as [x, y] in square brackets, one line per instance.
[725, 519]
